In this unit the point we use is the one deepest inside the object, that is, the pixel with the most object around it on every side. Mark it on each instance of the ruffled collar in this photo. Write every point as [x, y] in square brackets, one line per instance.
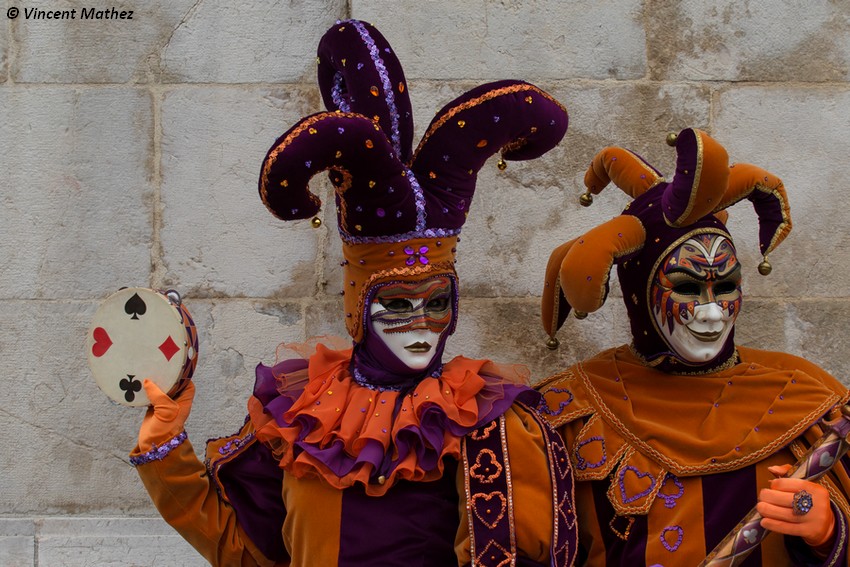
[320, 422]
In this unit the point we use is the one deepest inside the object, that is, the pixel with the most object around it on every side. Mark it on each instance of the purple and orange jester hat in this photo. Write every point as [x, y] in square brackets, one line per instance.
[399, 211]
[661, 217]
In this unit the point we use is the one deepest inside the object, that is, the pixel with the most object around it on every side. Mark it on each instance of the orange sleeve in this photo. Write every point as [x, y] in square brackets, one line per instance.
[181, 490]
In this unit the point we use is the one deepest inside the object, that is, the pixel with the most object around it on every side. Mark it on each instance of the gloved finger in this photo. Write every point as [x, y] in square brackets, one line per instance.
[186, 395]
[779, 470]
[793, 485]
[781, 527]
[776, 497]
[165, 409]
[154, 392]
[780, 513]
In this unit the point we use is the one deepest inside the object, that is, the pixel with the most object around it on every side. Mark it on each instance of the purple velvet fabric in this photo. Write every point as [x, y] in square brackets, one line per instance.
[365, 144]
[359, 72]
[252, 483]
[675, 200]
[618, 551]
[384, 531]
[449, 157]
[769, 211]
[727, 498]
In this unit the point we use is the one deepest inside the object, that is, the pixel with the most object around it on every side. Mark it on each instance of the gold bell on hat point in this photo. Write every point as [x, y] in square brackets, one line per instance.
[764, 267]
[552, 343]
[502, 164]
[586, 199]
[672, 138]
[580, 314]
[316, 222]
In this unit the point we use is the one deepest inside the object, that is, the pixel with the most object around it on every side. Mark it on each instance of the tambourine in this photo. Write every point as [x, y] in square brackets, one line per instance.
[140, 333]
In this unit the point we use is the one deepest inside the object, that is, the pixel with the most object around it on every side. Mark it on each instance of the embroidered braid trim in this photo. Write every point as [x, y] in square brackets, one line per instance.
[158, 453]
[389, 95]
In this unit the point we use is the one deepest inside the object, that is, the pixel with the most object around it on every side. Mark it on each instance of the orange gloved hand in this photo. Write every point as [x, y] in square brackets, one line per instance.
[776, 505]
[165, 417]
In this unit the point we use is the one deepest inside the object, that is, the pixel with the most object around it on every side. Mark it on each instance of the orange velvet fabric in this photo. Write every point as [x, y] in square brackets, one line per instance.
[704, 423]
[626, 169]
[182, 492]
[369, 264]
[627, 424]
[586, 267]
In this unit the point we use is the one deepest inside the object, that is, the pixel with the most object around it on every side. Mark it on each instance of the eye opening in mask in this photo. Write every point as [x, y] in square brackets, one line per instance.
[440, 303]
[397, 305]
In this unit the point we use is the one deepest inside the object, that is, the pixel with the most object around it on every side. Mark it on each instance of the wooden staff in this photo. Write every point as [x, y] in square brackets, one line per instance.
[817, 461]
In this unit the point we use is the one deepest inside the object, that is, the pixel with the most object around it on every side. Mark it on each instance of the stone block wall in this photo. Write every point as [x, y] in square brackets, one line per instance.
[131, 150]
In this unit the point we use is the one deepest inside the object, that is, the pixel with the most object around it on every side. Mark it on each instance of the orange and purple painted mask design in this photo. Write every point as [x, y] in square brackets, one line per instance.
[696, 296]
[411, 318]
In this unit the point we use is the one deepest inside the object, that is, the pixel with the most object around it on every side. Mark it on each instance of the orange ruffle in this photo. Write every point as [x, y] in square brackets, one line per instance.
[334, 411]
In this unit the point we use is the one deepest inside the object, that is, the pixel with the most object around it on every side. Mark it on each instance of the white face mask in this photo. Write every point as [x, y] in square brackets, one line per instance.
[696, 297]
[410, 318]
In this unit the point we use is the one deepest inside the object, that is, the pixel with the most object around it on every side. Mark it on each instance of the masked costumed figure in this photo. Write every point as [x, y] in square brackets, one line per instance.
[381, 454]
[675, 437]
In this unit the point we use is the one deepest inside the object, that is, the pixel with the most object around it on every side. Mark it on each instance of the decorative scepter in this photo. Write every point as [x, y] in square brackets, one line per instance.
[822, 456]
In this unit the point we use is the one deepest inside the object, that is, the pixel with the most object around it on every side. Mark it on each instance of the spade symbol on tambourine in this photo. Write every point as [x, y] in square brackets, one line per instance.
[135, 307]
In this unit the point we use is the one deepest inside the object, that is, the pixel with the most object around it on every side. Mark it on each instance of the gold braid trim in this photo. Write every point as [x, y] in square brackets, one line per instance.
[477, 101]
[694, 186]
[290, 138]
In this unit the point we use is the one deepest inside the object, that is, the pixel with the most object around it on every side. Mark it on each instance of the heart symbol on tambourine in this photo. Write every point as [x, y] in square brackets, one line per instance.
[102, 342]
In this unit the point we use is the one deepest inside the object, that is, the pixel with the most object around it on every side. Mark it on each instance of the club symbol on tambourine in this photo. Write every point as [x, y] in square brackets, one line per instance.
[140, 333]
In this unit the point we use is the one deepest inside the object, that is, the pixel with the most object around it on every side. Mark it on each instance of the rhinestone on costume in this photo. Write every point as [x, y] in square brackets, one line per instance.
[374, 91]
[461, 123]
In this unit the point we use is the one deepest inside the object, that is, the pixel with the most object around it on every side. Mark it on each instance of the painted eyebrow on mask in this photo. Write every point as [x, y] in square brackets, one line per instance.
[421, 290]
[699, 276]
